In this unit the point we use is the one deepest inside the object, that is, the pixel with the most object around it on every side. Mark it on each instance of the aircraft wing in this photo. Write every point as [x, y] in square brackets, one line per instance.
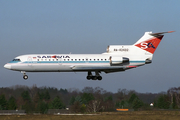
[98, 68]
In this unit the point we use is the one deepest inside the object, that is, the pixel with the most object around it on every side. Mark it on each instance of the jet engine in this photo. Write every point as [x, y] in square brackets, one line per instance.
[118, 61]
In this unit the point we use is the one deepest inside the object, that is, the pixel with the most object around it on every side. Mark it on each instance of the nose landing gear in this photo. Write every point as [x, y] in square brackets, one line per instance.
[25, 77]
[96, 77]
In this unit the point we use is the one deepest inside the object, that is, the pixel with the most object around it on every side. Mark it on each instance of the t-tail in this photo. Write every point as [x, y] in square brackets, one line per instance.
[148, 44]
[150, 41]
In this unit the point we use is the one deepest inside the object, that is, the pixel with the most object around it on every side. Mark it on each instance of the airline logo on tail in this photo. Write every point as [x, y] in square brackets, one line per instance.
[151, 44]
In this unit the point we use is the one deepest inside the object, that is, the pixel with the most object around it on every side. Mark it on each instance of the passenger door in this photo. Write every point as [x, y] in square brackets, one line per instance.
[29, 61]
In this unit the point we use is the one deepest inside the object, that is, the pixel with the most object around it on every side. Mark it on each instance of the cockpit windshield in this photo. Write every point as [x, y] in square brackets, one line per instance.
[18, 60]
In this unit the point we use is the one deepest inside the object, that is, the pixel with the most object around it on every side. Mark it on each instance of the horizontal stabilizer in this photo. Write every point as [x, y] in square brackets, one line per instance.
[153, 34]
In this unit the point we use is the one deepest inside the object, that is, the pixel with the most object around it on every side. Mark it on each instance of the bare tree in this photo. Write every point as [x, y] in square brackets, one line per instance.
[174, 94]
[94, 106]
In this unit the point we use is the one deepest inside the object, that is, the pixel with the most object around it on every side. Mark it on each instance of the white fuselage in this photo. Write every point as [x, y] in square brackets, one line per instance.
[77, 62]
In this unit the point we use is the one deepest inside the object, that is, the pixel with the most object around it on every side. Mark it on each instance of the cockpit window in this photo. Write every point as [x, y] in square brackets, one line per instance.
[16, 60]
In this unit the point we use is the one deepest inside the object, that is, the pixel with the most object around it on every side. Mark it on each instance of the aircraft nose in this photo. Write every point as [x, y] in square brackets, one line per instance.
[7, 66]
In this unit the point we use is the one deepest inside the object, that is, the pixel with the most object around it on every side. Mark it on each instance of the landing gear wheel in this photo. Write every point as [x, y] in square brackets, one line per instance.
[99, 78]
[25, 77]
[88, 77]
[94, 78]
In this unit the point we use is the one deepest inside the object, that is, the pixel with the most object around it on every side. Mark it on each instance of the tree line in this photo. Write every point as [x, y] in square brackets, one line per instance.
[89, 99]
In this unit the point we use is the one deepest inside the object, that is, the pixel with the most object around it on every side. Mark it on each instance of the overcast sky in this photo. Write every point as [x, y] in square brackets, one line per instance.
[89, 26]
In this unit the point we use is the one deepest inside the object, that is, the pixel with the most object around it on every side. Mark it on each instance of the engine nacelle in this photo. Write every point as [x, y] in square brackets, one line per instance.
[118, 61]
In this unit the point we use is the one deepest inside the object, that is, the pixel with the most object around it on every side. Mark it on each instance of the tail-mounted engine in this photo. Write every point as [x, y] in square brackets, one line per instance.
[118, 61]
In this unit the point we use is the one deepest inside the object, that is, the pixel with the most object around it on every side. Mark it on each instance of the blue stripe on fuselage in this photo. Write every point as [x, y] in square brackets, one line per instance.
[15, 62]
[75, 62]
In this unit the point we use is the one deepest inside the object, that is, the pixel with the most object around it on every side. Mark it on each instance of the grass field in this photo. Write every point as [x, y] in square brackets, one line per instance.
[137, 115]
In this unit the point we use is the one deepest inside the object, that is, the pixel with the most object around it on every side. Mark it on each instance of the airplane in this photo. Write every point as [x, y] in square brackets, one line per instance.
[116, 58]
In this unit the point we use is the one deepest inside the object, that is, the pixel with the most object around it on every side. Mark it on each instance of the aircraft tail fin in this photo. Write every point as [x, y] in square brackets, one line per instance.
[150, 41]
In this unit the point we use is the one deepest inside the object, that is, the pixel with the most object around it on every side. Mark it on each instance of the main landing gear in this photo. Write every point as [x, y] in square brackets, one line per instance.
[24, 75]
[96, 77]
